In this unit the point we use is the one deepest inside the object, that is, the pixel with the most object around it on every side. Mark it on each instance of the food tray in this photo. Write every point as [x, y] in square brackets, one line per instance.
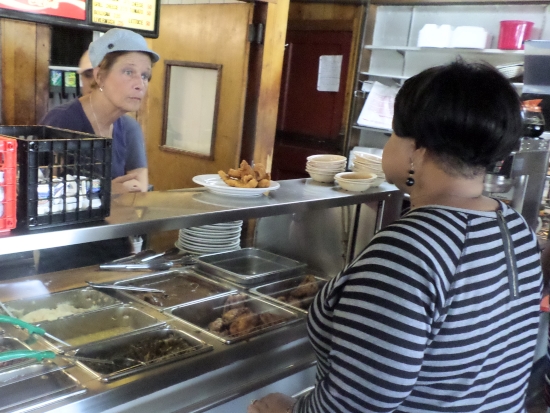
[98, 325]
[180, 287]
[201, 314]
[287, 289]
[85, 299]
[38, 391]
[172, 345]
[250, 266]
[9, 344]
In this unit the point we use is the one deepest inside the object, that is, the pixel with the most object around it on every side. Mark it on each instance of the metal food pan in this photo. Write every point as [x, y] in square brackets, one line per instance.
[290, 292]
[57, 305]
[134, 353]
[25, 371]
[180, 287]
[9, 344]
[98, 325]
[38, 391]
[202, 313]
[250, 266]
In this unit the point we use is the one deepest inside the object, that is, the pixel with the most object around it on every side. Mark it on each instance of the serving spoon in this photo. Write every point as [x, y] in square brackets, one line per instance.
[124, 287]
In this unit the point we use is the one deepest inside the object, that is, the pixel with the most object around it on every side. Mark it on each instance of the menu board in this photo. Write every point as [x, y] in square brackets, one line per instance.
[71, 9]
[141, 16]
[138, 15]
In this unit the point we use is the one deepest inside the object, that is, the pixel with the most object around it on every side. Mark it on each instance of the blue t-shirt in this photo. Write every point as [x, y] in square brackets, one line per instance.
[128, 150]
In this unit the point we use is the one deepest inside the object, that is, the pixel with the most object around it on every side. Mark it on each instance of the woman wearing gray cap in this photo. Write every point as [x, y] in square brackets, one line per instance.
[122, 65]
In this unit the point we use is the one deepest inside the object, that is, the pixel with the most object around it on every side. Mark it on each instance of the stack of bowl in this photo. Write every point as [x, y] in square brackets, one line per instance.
[355, 181]
[322, 168]
[369, 163]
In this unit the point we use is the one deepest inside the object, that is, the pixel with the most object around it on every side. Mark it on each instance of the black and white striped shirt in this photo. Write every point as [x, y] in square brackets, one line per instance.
[425, 319]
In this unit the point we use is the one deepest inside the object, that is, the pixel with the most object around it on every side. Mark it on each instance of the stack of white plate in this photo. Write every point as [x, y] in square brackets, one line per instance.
[369, 163]
[322, 168]
[209, 239]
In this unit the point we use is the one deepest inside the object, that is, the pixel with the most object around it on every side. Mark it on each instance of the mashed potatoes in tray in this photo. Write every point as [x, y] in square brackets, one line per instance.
[47, 314]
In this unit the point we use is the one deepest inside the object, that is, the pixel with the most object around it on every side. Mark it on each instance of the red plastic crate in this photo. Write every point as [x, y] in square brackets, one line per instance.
[8, 183]
[8, 153]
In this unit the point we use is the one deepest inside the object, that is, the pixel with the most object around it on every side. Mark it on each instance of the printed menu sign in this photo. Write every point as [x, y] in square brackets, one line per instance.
[72, 9]
[128, 14]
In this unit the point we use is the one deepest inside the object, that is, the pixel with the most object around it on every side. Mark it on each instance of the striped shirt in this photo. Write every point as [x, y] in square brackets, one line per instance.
[426, 319]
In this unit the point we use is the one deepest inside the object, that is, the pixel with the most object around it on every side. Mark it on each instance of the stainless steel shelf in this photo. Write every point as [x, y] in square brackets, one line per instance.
[139, 213]
[443, 50]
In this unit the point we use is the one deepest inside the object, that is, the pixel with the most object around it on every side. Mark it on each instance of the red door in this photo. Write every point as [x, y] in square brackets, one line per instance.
[302, 108]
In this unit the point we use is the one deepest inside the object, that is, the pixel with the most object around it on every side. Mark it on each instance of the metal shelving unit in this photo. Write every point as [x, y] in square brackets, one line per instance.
[389, 55]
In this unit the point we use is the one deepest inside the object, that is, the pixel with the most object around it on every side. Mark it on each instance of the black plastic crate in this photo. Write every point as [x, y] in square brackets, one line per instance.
[64, 176]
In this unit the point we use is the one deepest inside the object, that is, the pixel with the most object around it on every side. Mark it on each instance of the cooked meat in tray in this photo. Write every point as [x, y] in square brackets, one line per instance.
[236, 316]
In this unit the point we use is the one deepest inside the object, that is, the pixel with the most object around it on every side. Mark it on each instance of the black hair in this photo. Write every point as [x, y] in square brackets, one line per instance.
[467, 115]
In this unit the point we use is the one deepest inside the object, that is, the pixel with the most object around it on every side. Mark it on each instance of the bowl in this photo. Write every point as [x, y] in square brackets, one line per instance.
[367, 157]
[356, 176]
[322, 177]
[366, 169]
[327, 158]
[335, 169]
[354, 186]
[378, 181]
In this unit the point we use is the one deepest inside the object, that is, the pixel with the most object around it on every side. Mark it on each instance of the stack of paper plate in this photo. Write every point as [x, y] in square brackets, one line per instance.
[209, 239]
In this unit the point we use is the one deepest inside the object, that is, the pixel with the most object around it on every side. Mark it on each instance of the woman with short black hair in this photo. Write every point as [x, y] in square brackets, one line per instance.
[440, 312]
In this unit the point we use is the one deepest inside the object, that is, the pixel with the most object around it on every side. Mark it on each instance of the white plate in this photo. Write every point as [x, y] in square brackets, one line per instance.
[214, 228]
[209, 241]
[214, 184]
[210, 247]
[198, 250]
[211, 234]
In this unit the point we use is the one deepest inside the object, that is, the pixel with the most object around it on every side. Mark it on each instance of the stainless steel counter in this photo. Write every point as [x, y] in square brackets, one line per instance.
[207, 380]
[140, 213]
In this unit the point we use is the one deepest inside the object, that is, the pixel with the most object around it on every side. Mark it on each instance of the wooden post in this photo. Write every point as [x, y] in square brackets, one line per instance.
[264, 82]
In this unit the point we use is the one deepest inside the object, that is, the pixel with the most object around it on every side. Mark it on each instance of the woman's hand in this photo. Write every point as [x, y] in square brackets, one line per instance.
[272, 403]
[125, 183]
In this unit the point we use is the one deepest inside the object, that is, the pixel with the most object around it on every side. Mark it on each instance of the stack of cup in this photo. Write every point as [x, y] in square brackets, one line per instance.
[368, 162]
[322, 168]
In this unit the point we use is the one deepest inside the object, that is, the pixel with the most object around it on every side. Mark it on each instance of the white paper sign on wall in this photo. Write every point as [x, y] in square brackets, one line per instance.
[330, 68]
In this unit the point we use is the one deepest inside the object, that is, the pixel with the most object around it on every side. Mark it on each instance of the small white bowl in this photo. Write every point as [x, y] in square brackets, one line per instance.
[354, 186]
[378, 181]
[326, 165]
[368, 157]
[334, 169]
[355, 181]
[352, 177]
[380, 176]
[327, 158]
[322, 177]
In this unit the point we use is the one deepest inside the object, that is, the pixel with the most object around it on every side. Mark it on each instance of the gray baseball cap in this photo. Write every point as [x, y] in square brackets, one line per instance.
[119, 40]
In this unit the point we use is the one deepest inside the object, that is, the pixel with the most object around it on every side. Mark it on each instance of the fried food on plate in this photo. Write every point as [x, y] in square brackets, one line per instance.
[247, 176]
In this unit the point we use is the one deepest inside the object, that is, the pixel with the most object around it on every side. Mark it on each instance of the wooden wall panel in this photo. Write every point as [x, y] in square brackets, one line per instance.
[207, 33]
[24, 67]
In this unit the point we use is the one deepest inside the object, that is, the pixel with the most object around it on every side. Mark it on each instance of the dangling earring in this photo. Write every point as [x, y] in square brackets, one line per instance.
[100, 89]
[410, 179]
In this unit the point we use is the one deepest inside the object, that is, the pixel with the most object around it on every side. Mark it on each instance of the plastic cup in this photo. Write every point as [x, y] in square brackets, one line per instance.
[513, 33]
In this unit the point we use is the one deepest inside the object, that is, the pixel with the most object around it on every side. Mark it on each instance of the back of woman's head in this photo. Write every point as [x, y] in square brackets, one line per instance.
[467, 115]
